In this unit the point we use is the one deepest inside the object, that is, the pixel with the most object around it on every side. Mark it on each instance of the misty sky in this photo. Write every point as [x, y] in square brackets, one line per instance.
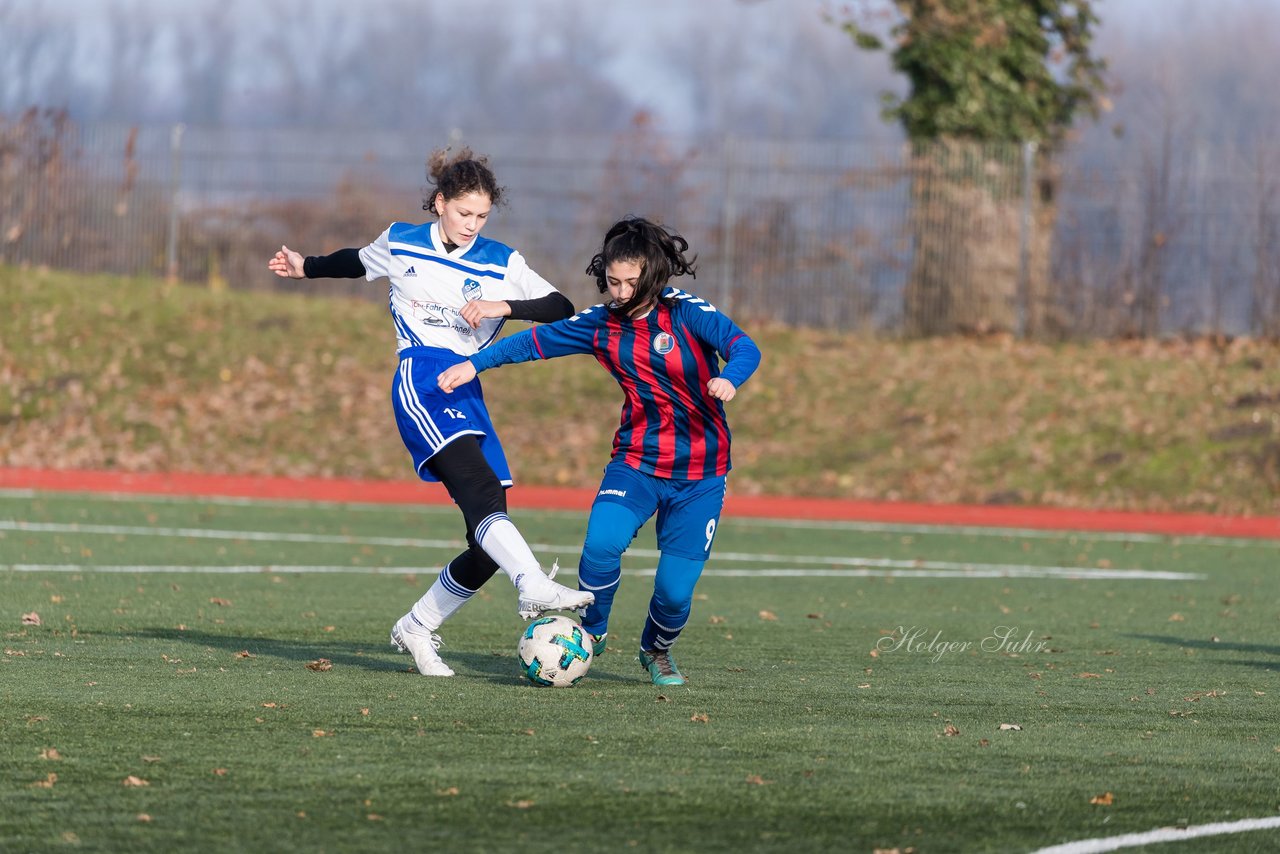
[768, 68]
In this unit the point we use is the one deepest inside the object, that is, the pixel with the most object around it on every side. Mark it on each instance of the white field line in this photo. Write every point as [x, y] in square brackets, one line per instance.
[1010, 533]
[767, 572]
[729, 521]
[1163, 834]
[233, 501]
[864, 566]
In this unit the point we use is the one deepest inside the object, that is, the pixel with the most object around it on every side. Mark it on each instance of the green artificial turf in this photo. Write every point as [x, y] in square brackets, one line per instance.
[829, 706]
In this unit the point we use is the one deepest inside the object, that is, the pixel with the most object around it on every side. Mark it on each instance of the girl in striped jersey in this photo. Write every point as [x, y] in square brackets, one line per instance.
[671, 452]
[451, 291]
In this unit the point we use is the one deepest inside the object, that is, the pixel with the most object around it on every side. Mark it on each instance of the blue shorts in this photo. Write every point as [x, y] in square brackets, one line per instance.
[429, 419]
[688, 510]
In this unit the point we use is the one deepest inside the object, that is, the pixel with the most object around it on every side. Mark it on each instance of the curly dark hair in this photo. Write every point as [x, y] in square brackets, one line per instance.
[455, 174]
[659, 251]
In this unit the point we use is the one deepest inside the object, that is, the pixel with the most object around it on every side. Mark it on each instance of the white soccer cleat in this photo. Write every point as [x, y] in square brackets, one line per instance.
[407, 636]
[539, 594]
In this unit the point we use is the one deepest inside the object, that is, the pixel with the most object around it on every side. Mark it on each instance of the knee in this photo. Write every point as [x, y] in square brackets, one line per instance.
[610, 531]
[604, 546]
[480, 498]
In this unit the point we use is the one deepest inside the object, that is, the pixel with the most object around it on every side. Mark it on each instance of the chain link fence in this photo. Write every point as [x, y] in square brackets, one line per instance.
[878, 238]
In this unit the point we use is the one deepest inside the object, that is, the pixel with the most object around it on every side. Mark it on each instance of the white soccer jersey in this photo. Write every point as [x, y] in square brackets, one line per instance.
[429, 286]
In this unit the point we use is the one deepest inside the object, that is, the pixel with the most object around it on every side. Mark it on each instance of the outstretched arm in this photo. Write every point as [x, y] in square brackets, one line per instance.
[343, 264]
[517, 348]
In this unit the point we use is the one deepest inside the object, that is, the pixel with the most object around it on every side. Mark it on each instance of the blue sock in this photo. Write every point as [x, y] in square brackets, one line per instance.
[610, 529]
[672, 600]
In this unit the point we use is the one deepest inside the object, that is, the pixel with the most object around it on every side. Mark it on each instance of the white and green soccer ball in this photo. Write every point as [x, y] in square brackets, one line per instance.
[555, 652]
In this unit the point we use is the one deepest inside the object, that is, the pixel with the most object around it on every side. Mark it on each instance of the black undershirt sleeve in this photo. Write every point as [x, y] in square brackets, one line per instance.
[343, 264]
[548, 309]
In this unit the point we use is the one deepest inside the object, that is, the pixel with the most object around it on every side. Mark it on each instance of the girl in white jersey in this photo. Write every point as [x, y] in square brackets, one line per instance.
[451, 291]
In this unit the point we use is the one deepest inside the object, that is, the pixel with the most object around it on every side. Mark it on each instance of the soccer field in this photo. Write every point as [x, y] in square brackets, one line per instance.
[214, 675]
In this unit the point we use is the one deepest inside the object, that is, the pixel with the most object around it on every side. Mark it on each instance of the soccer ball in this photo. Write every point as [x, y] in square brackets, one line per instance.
[554, 652]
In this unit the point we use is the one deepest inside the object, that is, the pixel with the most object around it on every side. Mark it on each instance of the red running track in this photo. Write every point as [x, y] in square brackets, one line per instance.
[556, 498]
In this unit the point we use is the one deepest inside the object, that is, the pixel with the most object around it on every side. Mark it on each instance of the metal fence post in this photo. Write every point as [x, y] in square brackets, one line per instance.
[728, 213]
[175, 182]
[1024, 238]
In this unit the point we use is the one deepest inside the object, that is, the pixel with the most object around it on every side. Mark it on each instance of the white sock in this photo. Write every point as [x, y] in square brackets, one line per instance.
[439, 603]
[502, 541]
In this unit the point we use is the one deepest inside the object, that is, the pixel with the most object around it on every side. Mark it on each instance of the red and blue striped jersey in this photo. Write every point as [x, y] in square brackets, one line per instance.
[671, 427]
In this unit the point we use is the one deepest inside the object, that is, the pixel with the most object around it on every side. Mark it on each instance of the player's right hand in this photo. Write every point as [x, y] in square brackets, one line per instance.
[287, 264]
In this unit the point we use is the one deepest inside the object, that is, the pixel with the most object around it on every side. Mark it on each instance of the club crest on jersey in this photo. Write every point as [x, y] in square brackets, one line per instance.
[470, 290]
[663, 343]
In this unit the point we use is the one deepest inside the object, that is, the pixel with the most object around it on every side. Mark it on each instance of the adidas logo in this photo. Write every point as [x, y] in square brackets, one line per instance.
[411, 272]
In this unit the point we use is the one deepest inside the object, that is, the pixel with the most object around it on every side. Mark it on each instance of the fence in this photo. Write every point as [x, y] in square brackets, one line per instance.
[825, 234]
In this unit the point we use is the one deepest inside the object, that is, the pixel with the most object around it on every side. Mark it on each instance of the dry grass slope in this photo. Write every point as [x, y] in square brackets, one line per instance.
[136, 375]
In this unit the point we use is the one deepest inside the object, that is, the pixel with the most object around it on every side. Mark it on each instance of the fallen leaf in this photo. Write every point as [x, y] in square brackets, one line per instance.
[216, 600]
[520, 805]
[220, 772]
[1014, 727]
[50, 753]
[144, 818]
[319, 733]
[814, 616]
[1177, 618]
[320, 665]
[700, 717]
[32, 619]
[1089, 675]
[373, 816]
[1103, 800]
[768, 615]
[717, 620]
[134, 782]
[46, 783]
[951, 729]
[757, 780]
[447, 793]
[244, 653]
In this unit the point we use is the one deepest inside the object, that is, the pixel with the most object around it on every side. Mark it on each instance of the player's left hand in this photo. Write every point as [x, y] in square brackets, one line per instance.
[477, 310]
[721, 389]
[455, 376]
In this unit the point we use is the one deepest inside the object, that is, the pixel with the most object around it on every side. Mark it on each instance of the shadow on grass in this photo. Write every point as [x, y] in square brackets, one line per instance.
[376, 657]
[1219, 646]
[339, 652]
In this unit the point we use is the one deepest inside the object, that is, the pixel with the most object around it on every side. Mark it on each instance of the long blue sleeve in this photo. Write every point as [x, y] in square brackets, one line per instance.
[741, 360]
[515, 348]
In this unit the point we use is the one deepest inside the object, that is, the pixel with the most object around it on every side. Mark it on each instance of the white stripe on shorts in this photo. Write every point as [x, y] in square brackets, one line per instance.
[414, 409]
